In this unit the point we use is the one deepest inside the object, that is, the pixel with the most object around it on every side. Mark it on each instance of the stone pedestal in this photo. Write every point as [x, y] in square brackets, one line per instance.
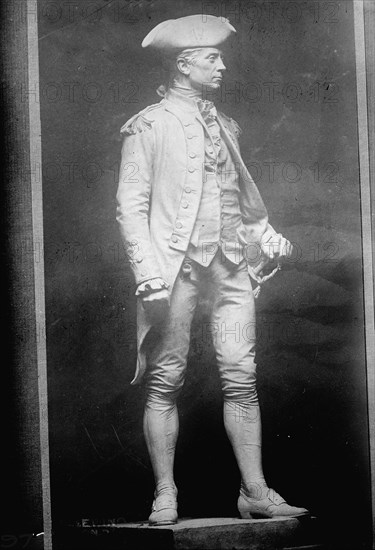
[196, 534]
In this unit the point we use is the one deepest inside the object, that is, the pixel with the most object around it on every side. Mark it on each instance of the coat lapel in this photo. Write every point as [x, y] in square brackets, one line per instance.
[250, 192]
[229, 140]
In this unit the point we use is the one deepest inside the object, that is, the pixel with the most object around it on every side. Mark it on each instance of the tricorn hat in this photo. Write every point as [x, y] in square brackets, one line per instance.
[193, 31]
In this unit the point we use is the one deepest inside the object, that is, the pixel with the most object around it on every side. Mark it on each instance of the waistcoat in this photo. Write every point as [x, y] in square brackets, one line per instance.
[219, 216]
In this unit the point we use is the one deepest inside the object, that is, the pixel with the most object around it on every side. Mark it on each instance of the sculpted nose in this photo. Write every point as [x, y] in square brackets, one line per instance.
[221, 66]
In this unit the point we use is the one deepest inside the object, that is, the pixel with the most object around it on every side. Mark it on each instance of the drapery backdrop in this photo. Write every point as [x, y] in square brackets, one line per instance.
[291, 85]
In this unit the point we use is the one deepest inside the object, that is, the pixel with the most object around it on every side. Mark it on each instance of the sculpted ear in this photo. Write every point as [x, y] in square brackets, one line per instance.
[183, 66]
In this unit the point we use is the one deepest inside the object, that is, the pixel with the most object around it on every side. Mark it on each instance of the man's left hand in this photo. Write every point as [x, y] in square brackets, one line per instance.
[277, 247]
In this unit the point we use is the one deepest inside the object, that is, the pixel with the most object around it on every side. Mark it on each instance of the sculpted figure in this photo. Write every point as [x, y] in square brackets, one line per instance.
[191, 217]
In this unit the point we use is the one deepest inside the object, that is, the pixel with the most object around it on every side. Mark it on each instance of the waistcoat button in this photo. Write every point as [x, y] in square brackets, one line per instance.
[187, 189]
[174, 238]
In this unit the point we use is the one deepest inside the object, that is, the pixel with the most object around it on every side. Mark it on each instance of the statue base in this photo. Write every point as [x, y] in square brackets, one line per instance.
[196, 534]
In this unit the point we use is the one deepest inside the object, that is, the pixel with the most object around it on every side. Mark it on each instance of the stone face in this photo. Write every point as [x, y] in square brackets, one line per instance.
[194, 534]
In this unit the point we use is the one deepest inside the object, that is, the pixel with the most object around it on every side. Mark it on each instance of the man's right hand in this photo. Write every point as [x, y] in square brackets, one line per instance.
[156, 304]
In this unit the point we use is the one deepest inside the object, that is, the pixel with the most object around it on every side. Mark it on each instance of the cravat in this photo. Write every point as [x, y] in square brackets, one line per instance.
[207, 109]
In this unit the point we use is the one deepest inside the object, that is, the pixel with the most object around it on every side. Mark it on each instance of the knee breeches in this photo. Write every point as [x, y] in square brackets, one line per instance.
[232, 326]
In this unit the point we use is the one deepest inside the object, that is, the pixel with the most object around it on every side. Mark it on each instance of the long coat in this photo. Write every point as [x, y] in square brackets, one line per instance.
[159, 193]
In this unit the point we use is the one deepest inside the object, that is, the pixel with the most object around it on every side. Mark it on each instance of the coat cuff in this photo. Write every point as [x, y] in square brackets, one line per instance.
[267, 235]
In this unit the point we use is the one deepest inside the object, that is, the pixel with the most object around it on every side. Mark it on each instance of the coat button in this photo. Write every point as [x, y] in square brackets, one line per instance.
[192, 155]
[190, 136]
[139, 260]
[178, 225]
[143, 273]
[174, 238]
[185, 204]
[187, 189]
[191, 169]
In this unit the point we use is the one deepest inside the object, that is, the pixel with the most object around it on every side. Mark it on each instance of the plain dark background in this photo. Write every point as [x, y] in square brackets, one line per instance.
[311, 369]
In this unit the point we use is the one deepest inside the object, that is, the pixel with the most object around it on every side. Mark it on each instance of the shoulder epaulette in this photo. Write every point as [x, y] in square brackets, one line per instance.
[139, 122]
[234, 125]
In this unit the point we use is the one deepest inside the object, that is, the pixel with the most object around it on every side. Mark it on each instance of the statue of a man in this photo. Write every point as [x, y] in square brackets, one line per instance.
[191, 217]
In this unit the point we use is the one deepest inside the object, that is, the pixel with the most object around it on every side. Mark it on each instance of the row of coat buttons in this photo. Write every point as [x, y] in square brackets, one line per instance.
[187, 189]
[185, 205]
[191, 169]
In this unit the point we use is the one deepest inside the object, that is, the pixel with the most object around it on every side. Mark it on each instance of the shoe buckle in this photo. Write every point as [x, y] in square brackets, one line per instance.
[275, 497]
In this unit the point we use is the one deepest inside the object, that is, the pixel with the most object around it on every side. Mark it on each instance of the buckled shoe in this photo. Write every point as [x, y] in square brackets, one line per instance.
[164, 510]
[272, 506]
